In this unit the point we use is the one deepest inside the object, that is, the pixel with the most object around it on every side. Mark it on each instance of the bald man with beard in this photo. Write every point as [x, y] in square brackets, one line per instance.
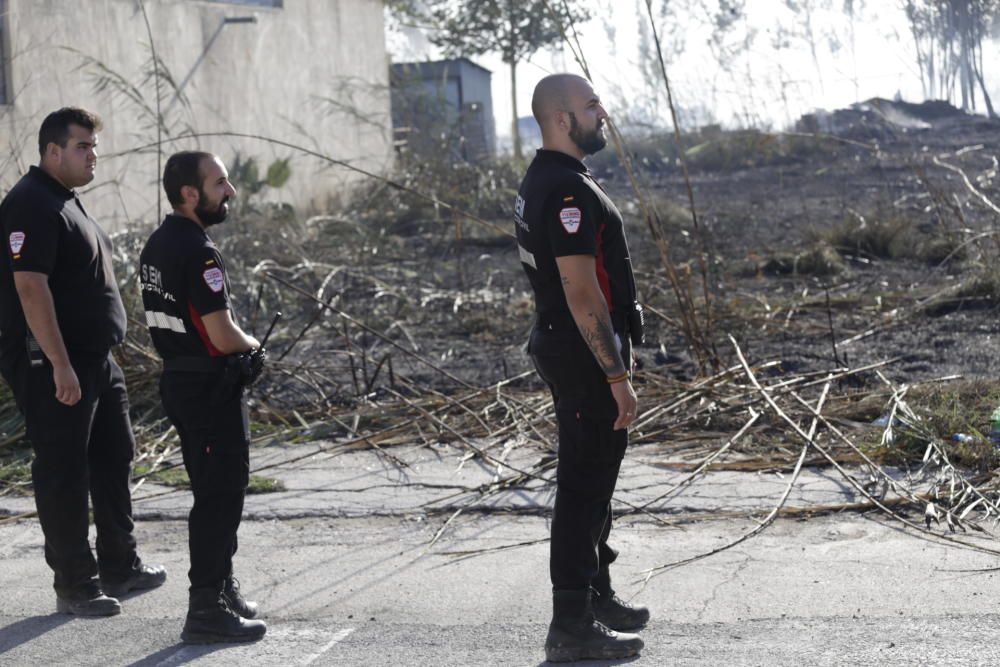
[572, 246]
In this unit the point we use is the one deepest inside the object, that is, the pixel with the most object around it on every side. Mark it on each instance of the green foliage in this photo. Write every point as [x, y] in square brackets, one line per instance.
[175, 476]
[515, 30]
[259, 484]
[178, 477]
[278, 173]
[944, 409]
[244, 173]
[15, 473]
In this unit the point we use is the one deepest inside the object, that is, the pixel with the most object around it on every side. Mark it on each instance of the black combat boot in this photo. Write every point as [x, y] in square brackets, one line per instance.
[139, 578]
[618, 614]
[611, 610]
[210, 620]
[574, 634]
[236, 601]
[87, 600]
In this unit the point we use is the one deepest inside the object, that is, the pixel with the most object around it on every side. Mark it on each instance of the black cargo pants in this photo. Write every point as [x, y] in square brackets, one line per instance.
[590, 455]
[86, 447]
[215, 444]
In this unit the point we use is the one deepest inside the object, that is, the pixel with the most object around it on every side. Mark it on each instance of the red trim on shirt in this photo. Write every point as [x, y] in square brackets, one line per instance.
[202, 332]
[602, 271]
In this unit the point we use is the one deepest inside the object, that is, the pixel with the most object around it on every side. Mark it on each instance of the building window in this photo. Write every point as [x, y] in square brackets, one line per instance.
[259, 3]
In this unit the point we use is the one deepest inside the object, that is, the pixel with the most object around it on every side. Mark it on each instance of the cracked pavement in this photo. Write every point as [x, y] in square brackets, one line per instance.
[341, 564]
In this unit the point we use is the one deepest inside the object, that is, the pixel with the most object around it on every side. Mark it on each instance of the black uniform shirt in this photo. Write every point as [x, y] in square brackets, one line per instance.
[182, 279]
[560, 210]
[46, 230]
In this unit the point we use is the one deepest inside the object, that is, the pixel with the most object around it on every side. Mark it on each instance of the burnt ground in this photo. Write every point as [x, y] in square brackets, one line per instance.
[842, 247]
[756, 218]
[903, 234]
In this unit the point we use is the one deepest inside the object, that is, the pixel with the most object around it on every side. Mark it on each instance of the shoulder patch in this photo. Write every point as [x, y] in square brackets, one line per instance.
[16, 241]
[214, 279]
[570, 218]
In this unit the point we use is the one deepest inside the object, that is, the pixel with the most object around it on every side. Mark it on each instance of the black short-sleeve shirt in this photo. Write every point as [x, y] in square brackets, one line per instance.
[560, 211]
[46, 230]
[183, 278]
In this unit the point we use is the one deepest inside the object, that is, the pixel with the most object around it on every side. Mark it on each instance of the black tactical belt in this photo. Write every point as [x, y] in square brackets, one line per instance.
[194, 364]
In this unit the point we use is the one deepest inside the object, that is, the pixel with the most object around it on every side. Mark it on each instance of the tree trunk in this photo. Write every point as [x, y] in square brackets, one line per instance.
[977, 67]
[812, 46]
[851, 19]
[965, 45]
[515, 131]
[926, 70]
[932, 75]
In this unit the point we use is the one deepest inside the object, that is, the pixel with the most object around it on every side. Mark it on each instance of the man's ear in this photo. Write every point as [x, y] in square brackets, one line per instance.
[190, 194]
[53, 152]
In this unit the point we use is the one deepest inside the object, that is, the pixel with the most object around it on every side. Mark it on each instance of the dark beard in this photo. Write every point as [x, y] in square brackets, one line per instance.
[589, 143]
[211, 217]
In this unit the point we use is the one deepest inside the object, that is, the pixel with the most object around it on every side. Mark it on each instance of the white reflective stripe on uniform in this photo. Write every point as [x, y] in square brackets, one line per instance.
[526, 256]
[164, 321]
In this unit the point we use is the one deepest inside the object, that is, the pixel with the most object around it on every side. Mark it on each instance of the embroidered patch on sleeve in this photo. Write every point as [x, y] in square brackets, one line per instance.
[16, 242]
[214, 279]
[570, 219]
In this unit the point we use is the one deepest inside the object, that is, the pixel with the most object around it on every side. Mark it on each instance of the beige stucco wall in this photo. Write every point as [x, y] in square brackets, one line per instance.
[313, 73]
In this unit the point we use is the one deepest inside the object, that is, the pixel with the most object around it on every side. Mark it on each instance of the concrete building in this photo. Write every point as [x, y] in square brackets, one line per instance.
[308, 72]
[447, 102]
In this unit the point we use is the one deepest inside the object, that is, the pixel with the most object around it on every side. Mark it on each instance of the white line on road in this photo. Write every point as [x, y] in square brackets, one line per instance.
[337, 638]
[175, 657]
[282, 642]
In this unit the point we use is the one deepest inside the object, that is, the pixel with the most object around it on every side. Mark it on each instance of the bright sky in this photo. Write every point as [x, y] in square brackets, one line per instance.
[769, 82]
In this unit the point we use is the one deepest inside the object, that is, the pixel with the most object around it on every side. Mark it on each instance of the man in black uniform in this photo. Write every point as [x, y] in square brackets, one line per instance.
[185, 292]
[60, 315]
[572, 245]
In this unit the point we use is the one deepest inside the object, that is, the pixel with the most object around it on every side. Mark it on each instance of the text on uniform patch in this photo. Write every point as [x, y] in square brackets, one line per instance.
[570, 219]
[16, 241]
[214, 279]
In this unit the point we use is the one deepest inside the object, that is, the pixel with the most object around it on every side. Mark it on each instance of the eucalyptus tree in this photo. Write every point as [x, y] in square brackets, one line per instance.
[515, 29]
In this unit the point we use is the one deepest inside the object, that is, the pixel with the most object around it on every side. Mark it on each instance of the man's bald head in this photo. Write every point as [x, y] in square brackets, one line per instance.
[554, 93]
[570, 115]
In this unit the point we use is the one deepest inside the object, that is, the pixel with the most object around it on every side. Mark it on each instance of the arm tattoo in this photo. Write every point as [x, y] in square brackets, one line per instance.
[600, 338]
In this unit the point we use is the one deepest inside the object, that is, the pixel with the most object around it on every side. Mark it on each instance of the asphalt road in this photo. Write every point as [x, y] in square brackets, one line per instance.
[346, 568]
[841, 590]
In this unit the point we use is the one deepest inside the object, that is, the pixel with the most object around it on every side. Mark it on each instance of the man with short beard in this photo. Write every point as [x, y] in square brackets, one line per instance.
[571, 241]
[60, 315]
[185, 292]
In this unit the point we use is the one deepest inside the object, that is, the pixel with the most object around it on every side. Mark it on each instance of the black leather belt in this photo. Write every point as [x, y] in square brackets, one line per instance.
[194, 364]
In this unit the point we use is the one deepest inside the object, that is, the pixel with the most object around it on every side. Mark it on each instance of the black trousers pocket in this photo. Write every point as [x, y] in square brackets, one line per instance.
[215, 438]
[586, 438]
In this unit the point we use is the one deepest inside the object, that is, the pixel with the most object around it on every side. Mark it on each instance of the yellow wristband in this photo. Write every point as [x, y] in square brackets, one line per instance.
[618, 378]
